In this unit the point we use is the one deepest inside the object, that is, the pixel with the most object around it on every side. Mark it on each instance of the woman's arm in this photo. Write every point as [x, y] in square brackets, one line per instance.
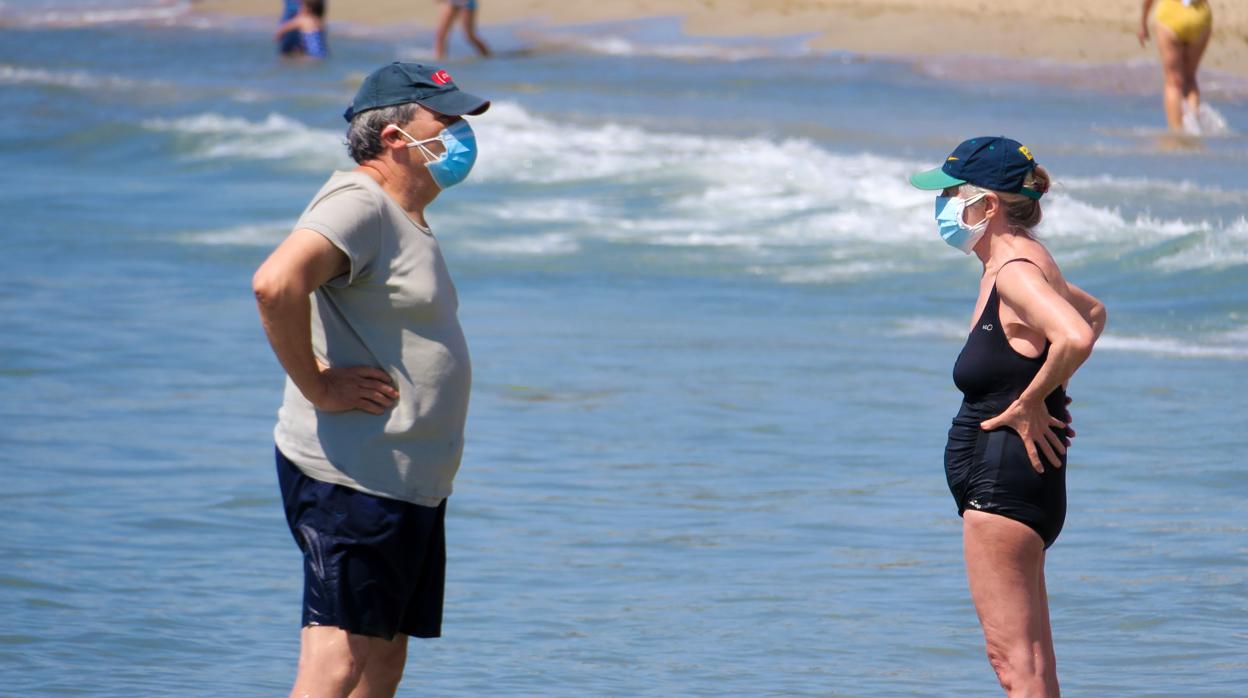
[1092, 310]
[1142, 34]
[1025, 290]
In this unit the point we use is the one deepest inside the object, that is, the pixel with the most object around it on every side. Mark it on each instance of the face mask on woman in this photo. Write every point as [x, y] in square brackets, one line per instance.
[453, 165]
[953, 229]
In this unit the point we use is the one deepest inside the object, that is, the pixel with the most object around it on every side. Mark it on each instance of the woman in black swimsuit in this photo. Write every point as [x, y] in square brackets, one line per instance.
[1007, 447]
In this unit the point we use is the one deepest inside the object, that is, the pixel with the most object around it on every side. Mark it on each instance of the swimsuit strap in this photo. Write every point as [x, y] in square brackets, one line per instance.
[992, 305]
[996, 308]
[1020, 259]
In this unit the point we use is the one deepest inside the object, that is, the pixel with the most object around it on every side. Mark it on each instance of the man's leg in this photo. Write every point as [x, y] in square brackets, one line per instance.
[384, 668]
[334, 663]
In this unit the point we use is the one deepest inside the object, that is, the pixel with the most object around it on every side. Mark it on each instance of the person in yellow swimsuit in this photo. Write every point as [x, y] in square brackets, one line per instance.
[1183, 28]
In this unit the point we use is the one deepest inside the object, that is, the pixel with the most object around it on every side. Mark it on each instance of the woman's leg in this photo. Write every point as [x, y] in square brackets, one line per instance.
[470, 30]
[1192, 53]
[1051, 677]
[1174, 68]
[1005, 569]
[449, 10]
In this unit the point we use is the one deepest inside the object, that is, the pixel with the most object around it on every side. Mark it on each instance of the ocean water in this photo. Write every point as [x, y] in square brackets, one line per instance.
[712, 331]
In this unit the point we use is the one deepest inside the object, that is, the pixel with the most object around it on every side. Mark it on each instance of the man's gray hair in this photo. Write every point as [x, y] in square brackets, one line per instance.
[364, 133]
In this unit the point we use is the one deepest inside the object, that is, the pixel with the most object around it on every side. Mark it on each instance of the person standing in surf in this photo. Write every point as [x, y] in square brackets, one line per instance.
[288, 40]
[467, 9]
[308, 27]
[360, 309]
[1183, 28]
[1004, 461]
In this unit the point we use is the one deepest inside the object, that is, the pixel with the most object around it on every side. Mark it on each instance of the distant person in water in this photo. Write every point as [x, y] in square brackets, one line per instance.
[1182, 28]
[308, 26]
[456, 8]
[288, 41]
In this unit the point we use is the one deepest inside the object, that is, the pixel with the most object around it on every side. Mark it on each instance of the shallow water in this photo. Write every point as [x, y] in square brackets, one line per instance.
[712, 329]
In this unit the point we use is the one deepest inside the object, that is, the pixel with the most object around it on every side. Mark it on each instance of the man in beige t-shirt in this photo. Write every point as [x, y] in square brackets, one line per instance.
[361, 312]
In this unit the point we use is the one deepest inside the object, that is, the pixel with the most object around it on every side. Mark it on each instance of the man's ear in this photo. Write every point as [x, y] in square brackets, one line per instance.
[392, 138]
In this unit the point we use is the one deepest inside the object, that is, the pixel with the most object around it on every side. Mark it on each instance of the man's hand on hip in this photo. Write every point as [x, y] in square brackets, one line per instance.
[364, 388]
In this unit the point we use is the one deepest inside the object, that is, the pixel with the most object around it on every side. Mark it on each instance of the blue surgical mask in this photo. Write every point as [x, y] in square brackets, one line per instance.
[453, 165]
[955, 231]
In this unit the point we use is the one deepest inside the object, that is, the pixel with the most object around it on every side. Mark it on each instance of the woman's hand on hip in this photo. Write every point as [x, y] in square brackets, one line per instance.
[1033, 423]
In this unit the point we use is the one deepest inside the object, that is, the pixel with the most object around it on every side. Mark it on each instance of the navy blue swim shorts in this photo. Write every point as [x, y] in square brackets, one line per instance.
[371, 565]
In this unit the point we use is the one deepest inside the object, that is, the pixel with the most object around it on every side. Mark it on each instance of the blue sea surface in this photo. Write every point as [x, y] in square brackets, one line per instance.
[712, 329]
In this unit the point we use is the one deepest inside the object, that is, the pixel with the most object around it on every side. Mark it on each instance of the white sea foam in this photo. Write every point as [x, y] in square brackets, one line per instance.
[549, 210]
[710, 191]
[614, 45]
[254, 234]
[816, 214]
[1215, 348]
[1205, 121]
[943, 328]
[757, 193]
[88, 81]
[1182, 191]
[1222, 345]
[213, 136]
[545, 245]
[73, 79]
[84, 14]
[1211, 247]
[840, 272]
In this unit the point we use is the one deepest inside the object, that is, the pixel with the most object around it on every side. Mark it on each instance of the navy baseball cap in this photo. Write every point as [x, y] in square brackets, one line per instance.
[401, 83]
[992, 162]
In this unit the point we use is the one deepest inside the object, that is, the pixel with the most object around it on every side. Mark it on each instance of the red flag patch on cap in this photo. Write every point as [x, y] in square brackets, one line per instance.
[441, 77]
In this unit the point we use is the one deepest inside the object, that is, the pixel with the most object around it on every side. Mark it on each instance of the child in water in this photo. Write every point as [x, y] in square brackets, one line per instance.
[309, 22]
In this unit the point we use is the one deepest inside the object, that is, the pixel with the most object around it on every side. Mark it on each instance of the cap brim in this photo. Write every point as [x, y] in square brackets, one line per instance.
[456, 104]
[935, 179]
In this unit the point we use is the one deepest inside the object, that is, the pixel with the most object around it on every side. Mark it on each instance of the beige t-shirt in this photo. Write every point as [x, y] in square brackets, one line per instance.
[396, 310]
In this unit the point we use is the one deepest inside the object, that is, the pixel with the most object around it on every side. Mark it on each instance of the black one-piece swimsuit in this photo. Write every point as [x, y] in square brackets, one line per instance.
[989, 470]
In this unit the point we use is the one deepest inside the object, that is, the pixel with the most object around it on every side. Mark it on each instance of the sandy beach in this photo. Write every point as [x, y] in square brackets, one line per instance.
[1063, 30]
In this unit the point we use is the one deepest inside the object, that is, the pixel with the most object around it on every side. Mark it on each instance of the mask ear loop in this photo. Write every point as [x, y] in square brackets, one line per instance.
[966, 203]
[429, 155]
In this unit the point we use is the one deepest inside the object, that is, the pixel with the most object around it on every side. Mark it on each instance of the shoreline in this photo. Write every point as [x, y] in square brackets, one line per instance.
[1068, 31]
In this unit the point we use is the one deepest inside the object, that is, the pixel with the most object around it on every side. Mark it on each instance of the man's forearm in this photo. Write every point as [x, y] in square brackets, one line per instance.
[287, 321]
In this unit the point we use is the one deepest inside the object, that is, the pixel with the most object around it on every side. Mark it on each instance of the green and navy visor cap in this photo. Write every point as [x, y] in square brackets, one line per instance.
[991, 162]
[401, 83]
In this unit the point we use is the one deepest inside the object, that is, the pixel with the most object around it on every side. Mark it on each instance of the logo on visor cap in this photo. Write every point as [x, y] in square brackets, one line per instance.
[991, 162]
[403, 83]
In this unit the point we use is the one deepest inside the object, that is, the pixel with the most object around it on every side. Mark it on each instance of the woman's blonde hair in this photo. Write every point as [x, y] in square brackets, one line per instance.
[1022, 213]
